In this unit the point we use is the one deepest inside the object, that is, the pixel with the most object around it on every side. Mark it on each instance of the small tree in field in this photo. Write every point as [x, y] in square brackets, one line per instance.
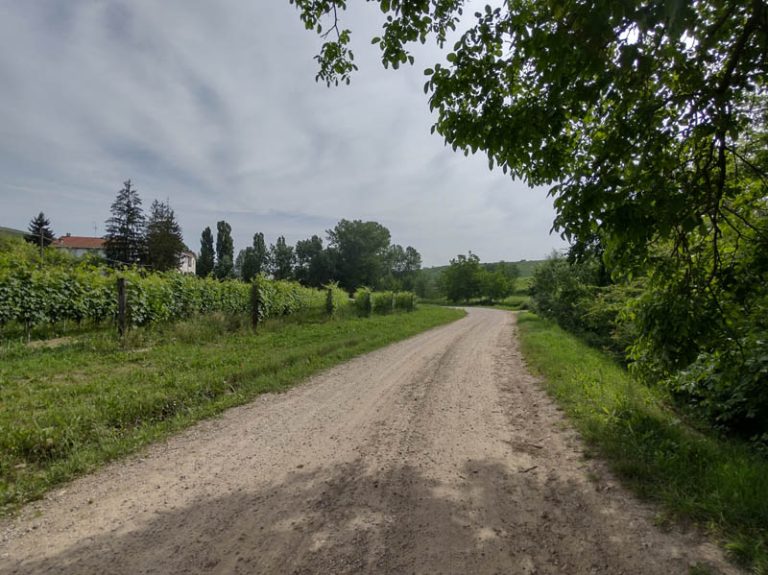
[462, 279]
[40, 232]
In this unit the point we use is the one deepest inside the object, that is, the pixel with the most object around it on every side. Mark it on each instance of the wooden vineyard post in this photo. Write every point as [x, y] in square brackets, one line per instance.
[255, 304]
[121, 307]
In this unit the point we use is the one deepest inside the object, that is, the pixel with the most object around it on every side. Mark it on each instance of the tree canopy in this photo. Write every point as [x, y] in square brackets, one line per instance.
[466, 278]
[164, 239]
[636, 114]
[314, 264]
[281, 259]
[361, 252]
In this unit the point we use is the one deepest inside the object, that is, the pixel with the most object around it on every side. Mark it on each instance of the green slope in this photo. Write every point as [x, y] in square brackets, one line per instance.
[10, 232]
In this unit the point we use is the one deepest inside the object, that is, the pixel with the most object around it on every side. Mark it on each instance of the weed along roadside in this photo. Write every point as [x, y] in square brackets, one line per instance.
[70, 408]
[716, 483]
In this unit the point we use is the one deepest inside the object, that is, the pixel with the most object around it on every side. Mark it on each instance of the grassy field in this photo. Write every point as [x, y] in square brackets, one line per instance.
[718, 484]
[66, 409]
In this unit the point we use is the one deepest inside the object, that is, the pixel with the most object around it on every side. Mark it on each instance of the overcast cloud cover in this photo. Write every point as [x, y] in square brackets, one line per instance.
[213, 105]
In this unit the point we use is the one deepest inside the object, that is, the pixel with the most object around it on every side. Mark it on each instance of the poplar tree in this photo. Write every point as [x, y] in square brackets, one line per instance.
[206, 260]
[225, 252]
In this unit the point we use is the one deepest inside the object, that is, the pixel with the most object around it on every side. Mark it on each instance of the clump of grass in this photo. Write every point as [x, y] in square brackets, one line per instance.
[718, 483]
[68, 409]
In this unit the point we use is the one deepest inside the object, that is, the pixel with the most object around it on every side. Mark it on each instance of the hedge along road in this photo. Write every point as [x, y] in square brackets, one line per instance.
[438, 454]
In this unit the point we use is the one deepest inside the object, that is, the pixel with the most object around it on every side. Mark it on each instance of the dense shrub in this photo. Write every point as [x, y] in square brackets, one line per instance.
[336, 299]
[570, 293]
[363, 301]
[405, 301]
[705, 337]
[35, 296]
[383, 302]
[702, 336]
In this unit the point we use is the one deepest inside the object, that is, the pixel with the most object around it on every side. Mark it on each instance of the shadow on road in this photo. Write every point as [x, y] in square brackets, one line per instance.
[347, 519]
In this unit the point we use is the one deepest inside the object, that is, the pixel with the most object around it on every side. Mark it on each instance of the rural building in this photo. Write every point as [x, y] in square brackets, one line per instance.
[188, 262]
[80, 245]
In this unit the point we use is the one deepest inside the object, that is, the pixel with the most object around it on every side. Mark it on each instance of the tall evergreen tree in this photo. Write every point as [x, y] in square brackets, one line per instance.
[225, 251]
[206, 259]
[125, 240]
[281, 260]
[40, 232]
[164, 239]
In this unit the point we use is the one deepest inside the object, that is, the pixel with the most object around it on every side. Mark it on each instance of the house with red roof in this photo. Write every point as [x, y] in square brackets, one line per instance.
[80, 245]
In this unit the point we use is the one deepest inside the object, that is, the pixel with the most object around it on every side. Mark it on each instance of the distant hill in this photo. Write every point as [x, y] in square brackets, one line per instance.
[526, 267]
[11, 232]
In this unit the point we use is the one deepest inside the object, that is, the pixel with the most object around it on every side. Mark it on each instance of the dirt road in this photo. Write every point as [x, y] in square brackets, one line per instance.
[439, 454]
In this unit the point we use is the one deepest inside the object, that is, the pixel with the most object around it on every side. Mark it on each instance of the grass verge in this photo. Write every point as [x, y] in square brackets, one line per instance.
[65, 410]
[715, 483]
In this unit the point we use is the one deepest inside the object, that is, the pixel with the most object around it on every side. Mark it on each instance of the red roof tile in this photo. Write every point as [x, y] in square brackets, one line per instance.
[79, 242]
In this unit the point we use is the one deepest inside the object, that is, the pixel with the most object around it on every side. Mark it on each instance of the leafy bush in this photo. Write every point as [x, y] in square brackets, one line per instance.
[32, 297]
[383, 302]
[336, 299]
[702, 336]
[570, 293]
[705, 339]
[405, 301]
[363, 301]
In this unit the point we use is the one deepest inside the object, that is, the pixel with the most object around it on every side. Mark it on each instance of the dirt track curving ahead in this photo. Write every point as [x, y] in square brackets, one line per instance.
[439, 454]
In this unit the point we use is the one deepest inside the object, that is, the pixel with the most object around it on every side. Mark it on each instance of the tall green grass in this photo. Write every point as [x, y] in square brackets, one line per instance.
[65, 410]
[716, 483]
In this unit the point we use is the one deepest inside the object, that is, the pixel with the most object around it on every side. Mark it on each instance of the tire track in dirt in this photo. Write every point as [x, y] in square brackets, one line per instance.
[439, 454]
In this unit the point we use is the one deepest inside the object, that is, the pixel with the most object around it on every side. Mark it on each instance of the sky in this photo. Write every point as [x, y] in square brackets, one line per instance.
[213, 106]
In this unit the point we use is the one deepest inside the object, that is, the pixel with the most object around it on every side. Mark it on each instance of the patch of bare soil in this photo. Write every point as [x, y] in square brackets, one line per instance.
[50, 343]
[439, 454]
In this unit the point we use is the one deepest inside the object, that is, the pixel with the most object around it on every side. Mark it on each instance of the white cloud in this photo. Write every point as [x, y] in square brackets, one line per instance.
[214, 106]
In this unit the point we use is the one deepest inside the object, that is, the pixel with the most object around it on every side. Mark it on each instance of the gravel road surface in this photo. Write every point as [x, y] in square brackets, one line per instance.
[439, 454]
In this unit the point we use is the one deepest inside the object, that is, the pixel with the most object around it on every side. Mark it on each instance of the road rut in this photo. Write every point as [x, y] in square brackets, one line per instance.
[439, 454]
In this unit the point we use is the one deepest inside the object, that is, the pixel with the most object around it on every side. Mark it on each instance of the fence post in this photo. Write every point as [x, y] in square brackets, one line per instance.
[330, 302]
[121, 307]
[255, 303]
